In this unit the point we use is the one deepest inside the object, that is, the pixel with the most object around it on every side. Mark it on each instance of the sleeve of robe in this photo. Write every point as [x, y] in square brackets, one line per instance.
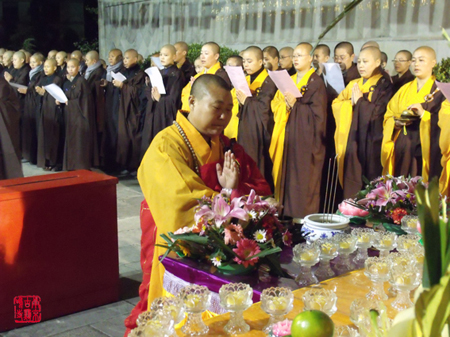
[444, 144]
[231, 131]
[131, 94]
[171, 101]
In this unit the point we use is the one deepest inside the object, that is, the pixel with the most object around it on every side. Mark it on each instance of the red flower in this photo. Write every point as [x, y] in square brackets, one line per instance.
[246, 248]
[397, 215]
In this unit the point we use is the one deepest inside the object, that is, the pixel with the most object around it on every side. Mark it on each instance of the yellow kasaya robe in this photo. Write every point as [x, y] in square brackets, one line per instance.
[406, 96]
[343, 113]
[231, 131]
[281, 117]
[171, 186]
[187, 89]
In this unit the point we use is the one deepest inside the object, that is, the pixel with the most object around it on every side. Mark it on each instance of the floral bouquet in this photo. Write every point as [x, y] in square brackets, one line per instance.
[386, 199]
[235, 233]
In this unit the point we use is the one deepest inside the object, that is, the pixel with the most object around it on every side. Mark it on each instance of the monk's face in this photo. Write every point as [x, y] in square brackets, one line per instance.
[251, 62]
[302, 58]
[211, 113]
[270, 63]
[114, 57]
[401, 63]
[198, 65]
[34, 62]
[320, 56]
[423, 63]
[59, 59]
[367, 63]
[72, 68]
[18, 62]
[7, 60]
[167, 57]
[286, 59]
[342, 57]
[90, 61]
[129, 60]
[49, 68]
[208, 57]
[180, 53]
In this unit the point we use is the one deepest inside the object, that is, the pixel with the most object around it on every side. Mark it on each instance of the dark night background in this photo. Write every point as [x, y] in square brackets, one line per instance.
[54, 24]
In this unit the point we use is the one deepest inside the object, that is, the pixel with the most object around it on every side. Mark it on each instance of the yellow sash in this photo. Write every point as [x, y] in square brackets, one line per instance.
[231, 131]
[186, 92]
[281, 117]
[444, 144]
[343, 114]
[406, 96]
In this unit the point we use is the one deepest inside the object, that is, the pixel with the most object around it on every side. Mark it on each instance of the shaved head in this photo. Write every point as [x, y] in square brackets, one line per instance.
[51, 62]
[207, 83]
[308, 46]
[406, 53]
[93, 55]
[214, 46]
[76, 54]
[374, 51]
[52, 54]
[116, 52]
[169, 48]
[272, 51]
[324, 49]
[132, 53]
[287, 49]
[182, 45]
[427, 50]
[38, 57]
[20, 54]
[345, 45]
[256, 51]
[74, 61]
[2, 51]
[370, 44]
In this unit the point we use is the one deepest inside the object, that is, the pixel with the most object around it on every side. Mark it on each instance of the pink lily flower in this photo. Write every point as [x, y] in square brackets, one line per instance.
[221, 212]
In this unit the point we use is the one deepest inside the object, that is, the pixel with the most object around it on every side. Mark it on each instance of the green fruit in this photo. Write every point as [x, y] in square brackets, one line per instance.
[312, 323]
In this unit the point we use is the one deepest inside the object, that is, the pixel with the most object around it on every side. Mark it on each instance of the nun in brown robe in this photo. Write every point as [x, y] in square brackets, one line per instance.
[130, 111]
[399, 82]
[10, 156]
[51, 122]
[77, 112]
[255, 114]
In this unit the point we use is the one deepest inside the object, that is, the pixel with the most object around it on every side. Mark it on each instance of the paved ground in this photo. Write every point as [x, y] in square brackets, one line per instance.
[106, 320]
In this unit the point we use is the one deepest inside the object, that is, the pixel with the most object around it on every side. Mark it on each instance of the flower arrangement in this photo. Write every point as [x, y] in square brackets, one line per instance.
[386, 199]
[232, 232]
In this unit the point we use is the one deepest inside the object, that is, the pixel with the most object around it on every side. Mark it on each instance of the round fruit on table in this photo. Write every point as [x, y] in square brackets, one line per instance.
[312, 323]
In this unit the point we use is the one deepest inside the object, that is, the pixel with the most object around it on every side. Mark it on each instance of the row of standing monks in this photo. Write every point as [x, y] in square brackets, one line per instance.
[110, 123]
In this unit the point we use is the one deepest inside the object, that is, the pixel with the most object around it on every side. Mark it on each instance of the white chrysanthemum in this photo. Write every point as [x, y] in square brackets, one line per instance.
[216, 260]
[260, 236]
[253, 214]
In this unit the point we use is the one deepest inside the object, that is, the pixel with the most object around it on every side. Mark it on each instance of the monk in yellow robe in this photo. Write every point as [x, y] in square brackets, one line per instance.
[185, 162]
[359, 110]
[298, 141]
[421, 145]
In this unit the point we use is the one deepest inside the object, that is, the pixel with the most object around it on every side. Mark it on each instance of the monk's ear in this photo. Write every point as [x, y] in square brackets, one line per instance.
[378, 62]
[327, 58]
[216, 56]
[260, 62]
[191, 101]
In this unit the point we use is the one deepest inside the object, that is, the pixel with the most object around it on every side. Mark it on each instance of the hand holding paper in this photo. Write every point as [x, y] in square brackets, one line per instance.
[56, 92]
[118, 76]
[156, 79]
[237, 77]
[284, 82]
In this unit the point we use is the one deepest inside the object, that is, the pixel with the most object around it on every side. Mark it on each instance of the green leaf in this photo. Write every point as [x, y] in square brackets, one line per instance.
[217, 239]
[190, 237]
[265, 253]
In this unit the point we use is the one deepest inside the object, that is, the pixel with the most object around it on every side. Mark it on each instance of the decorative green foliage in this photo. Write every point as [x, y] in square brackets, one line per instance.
[85, 46]
[442, 70]
[29, 45]
[195, 49]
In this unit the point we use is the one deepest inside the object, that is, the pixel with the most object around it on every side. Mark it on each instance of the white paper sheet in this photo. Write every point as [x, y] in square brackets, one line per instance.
[18, 86]
[284, 82]
[118, 76]
[445, 88]
[56, 92]
[333, 76]
[156, 79]
[157, 62]
[237, 77]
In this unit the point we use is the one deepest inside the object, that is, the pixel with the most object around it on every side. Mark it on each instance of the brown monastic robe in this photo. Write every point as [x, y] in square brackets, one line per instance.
[77, 114]
[30, 119]
[351, 74]
[188, 71]
[256, 125]
[401, 81]
[10, 156]
[51, 127]
[160, 115]
[129, 123]
[61, 71]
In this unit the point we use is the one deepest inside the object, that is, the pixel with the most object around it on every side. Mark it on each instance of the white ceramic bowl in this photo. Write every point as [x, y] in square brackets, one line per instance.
[315, 225]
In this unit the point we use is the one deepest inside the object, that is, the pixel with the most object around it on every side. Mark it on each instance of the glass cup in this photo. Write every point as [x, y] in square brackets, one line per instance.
[196, 299]
[320, 299]
[345, 331]
[418, 254]
[153, 323]
[360, 315]
[404, 278]
[364, 241]
[409, 224]
[276, 302]
[236, 297]
[346, 246]
[377, 270]
[328, 251]
[407, 242]
[307, 255]
[385, 242]
[172, 307]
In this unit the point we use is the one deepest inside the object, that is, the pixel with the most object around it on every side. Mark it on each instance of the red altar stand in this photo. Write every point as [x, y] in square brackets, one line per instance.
[58, 246]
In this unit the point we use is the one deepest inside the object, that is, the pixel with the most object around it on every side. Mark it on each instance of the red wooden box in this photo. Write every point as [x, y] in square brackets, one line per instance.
[58, 241]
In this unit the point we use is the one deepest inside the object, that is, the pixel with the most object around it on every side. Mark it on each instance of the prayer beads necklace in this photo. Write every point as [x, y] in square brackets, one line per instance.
[188, 143]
